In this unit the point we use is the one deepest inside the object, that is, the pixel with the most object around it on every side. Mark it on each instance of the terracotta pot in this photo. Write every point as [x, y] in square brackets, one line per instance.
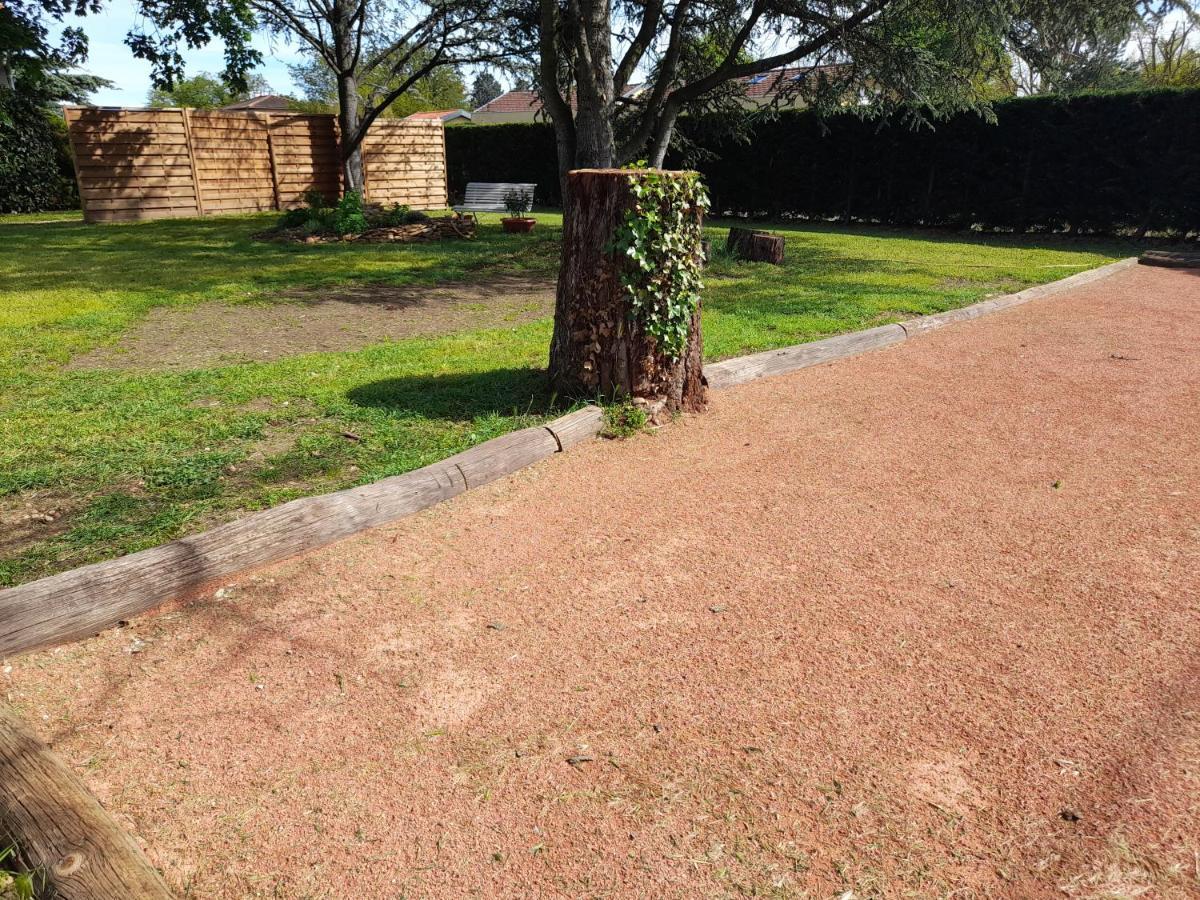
[518, 225]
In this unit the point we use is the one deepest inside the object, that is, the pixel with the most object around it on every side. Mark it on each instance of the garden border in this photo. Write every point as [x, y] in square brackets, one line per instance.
[81, 602]
[48, 810]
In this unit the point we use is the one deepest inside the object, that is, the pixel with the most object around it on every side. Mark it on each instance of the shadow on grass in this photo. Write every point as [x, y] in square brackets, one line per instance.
[461, 397]
[1124, 244]
[196, 255]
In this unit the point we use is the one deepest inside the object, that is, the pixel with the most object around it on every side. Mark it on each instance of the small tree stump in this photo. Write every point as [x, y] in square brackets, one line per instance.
[755, 246]
[598, 348]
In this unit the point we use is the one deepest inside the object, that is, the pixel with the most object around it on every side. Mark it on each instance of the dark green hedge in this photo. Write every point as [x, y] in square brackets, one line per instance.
[521, 152]
[1101, 163]
[35, 163]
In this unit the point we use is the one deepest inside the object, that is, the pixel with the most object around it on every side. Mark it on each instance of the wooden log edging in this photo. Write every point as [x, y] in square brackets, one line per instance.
[62, 831]
[732, 372]
[79, 603]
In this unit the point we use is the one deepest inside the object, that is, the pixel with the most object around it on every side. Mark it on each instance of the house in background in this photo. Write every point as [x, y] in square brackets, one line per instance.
[777, 86]
[511, 106]
[445, 116]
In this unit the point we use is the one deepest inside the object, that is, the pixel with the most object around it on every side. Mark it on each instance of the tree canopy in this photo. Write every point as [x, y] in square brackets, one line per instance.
[922, 59]
[377, 51]
[442, 88]
[206, 91]
[484, 89]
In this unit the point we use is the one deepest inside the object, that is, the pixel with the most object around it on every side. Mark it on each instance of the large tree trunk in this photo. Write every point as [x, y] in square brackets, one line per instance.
[598, 349]
[351, 148]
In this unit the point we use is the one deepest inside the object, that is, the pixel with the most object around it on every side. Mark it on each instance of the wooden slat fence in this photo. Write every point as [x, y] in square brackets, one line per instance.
[135, 164]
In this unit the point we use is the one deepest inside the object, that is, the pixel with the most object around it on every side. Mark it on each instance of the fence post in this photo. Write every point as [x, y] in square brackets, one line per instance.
[71, 114]
[191, 152]
[268, 120]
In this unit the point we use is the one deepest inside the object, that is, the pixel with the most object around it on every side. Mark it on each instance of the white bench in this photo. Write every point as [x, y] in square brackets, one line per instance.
[488, 196]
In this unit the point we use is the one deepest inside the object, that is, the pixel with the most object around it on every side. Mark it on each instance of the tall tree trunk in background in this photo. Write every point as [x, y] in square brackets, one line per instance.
[351, 147]
[598, 349]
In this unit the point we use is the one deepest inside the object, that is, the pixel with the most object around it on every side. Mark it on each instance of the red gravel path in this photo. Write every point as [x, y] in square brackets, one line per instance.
[918, 623]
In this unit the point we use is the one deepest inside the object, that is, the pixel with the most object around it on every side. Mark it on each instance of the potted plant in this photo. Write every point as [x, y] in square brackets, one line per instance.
[517, 203]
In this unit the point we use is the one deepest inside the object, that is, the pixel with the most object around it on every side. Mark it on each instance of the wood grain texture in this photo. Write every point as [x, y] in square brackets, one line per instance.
[61, 828]
[242, 161]
[790, 359]
[577, 427]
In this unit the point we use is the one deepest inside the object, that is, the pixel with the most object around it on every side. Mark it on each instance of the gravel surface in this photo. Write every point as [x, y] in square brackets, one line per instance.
[919, 623]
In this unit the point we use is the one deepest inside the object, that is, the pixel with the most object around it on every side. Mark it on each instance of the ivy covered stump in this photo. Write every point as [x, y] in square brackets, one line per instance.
[627, 314]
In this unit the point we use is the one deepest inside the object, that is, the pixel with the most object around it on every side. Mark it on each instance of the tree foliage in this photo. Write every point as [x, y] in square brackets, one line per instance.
[377, 50]
[36, 74]
[484, 89]
[442, 88]
[920, 60]
[206, 91]
[1167, 56]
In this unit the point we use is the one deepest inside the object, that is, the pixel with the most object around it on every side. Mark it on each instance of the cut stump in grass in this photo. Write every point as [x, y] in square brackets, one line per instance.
[755, 246]
[599, 349]
[63, 833]
[1171, 259]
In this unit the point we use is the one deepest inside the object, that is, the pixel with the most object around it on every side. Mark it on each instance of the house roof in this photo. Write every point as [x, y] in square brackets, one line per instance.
[512, 102]
[262, 101]
[766, 85]
[760, 87]
[443, 115]
[520, 101]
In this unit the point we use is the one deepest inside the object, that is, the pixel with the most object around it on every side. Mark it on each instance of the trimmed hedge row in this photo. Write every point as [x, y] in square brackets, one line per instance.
[36, 173]
[1091, 163]
[521, 152]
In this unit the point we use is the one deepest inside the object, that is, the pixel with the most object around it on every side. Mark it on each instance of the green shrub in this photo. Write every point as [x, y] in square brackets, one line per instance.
[391, 216]
[624, 420]
[294, 218]
[36, 172]
[348, 217]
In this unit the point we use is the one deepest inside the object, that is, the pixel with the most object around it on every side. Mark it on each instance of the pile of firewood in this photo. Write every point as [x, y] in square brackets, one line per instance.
[443, 228]
[440, 229]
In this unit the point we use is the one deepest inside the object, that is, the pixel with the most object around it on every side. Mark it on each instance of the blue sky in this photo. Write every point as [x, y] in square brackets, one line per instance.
[111, 59]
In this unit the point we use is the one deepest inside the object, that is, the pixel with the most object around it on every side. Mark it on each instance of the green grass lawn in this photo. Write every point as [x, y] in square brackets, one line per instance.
[59, 215]
[123, 460]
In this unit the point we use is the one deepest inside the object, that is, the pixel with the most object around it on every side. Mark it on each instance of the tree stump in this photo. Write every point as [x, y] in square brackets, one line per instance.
[755, 246]
[599, 348]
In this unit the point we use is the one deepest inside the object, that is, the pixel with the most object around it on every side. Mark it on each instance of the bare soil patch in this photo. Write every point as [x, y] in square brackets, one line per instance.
[32, 516]
[917, 624]
[313, 320]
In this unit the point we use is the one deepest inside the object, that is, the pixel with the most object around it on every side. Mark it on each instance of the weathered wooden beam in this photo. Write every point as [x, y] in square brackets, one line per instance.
[577, 427]
[79, 603]
[61, 829]
[923, 324]
[789, 359]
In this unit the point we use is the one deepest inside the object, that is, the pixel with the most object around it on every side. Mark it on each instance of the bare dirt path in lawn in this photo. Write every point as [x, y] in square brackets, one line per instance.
[922, 623]
[319, 319]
